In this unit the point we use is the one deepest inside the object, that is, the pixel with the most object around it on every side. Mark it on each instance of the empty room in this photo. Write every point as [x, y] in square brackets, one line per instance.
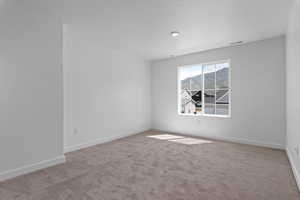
[149, 100]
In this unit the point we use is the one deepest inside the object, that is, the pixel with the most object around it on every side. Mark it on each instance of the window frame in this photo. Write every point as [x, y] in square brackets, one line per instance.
[203, 89]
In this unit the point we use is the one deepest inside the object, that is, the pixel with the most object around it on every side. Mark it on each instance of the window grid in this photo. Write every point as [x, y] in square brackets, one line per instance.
[203, 89]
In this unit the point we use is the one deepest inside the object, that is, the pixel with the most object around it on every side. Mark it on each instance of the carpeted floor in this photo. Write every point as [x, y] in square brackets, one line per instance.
[163, 167]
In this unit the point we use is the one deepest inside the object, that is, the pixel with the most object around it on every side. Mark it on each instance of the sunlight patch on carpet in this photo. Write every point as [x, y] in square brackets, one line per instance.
[189, 141]
[179, 139]
[165, 137]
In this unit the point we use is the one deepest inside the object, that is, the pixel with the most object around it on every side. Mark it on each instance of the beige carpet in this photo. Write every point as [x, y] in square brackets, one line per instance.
[162, 167]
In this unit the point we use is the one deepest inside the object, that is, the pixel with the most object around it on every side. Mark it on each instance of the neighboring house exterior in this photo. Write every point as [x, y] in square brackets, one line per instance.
[189, 107]
[191, 101]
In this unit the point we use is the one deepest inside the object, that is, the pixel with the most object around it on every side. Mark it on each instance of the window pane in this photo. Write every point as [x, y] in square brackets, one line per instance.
[222, 109]
[209, 76]
[222, 75]
[196, 82]
[197, 100]
[191, 77]
[185, 99]
[191, 102]
[185, 84]
[209, 96]
[209, 109]
[222, 102]
[222, 96]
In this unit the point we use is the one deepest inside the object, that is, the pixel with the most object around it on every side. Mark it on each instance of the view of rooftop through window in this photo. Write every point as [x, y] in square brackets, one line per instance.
[204, 89]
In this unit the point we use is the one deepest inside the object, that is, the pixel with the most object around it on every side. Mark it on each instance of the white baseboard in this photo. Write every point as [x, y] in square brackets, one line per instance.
[31, 168]
[232, 139]
[96, 142]
[296, 173]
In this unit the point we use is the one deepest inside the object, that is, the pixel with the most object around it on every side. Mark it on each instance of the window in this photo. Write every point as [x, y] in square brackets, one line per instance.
[204, 89]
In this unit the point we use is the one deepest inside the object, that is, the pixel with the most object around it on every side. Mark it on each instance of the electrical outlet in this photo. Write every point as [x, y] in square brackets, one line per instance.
[75, 131]
[297, 150]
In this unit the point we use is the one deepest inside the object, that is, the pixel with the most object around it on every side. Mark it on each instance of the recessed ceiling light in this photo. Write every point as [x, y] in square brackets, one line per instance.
[174, 33]
[236, 43]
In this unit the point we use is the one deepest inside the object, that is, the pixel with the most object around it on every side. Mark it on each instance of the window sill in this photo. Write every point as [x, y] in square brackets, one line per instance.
[204, 115]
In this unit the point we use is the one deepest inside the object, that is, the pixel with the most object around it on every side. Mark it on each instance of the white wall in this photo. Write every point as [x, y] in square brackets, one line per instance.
[293, 87]
[30, 84]
[106, 91]
[258, 95]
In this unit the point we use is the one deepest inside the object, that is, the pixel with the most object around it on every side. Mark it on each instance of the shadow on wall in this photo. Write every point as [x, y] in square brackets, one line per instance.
[180, 139]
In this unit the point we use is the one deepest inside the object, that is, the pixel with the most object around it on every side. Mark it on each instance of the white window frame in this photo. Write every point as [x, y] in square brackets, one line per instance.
[203, 102]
